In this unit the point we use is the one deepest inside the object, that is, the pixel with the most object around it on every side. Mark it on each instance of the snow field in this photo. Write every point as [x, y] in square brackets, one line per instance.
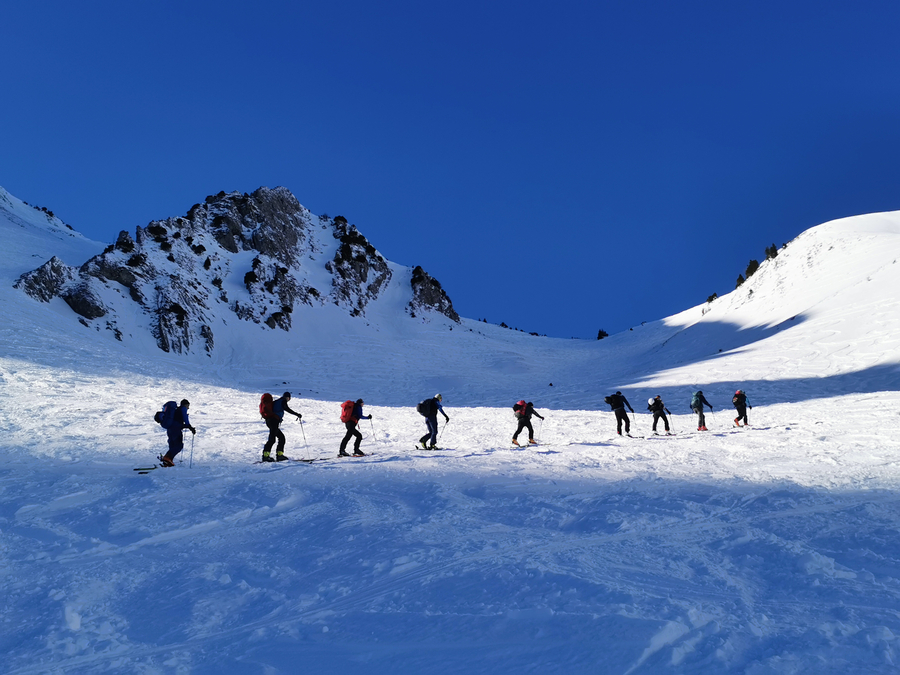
[763, 550]
[766, 549]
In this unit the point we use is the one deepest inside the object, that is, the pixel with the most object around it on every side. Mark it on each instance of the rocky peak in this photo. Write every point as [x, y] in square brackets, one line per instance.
[176, 270]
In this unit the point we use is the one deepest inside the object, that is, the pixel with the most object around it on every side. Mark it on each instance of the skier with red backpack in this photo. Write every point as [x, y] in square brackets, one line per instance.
[740, 403]
[523, 412]
[351, 414]
[272, 411]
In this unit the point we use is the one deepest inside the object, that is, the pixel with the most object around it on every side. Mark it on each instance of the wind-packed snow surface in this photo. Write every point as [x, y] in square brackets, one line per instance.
[773, 548]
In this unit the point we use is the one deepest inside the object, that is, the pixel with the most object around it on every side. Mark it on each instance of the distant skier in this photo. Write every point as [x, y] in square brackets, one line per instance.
[659, 410]
[741, 404]
[351, 414]
[430, 408]
[617, 403]
[698, 400]
[523, 412]
[174, 431]
[273, 418]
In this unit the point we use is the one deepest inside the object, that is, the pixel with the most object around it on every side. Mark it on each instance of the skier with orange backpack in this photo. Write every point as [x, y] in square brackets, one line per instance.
[272, 411]
[351, 414]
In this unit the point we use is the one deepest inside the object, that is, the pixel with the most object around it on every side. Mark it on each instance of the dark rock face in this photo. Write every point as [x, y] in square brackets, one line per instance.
[48, 280]
[175, 270]
[428, 294]
[359, 271]
[84, 301]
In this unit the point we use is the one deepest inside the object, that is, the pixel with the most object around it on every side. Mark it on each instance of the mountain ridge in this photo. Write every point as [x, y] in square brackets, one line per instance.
[254, 256]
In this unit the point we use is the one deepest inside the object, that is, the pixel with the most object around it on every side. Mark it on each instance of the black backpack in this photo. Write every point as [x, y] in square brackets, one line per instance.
[424, 408]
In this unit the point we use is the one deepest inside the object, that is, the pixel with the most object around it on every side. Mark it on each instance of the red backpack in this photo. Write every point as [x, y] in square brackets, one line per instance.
[265, 406]
[519, 408]
[347, 411]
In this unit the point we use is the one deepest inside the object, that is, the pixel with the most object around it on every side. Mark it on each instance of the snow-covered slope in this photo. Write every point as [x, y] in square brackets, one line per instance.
[768, 549]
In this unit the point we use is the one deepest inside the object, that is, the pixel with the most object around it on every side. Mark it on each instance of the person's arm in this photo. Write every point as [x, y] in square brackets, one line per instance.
[441, 410]
[186, 422]
[287, 408]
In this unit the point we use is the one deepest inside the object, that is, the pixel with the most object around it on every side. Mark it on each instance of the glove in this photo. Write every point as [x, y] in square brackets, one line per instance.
[299, 416]
[750, 406]
[193, 430]
[369, 417]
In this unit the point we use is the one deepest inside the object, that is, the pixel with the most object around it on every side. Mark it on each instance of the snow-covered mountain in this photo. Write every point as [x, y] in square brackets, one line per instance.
[767, 549]
[251, 257]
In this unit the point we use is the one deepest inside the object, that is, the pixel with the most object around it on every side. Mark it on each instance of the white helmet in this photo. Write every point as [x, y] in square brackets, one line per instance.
[650, 401]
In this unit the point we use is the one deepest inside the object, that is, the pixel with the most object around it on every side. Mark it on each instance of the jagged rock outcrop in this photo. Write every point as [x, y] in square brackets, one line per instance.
[428, 294]
[360, 272]
[246, 256]
[48, 280]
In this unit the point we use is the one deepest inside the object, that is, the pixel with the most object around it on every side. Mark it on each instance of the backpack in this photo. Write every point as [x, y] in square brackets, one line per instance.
[424, 407]
[519, 409]
[347, 411]
[166, 416]
[265, 406]
[608, 400]
[695, 400]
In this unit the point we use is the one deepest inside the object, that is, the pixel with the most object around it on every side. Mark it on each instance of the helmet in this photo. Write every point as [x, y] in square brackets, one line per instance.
[439, 397]
[651, 401]
[739, 391]
[618, 393]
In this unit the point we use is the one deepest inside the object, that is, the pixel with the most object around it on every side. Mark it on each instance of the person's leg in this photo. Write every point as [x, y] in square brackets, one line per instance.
[665, 420]
[272, 424]
[176, 442]
[347, 437]
[434, 430]
[522, 423]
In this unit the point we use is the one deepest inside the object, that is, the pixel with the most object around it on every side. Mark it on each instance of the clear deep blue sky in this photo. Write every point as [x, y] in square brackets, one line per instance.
[560, 166]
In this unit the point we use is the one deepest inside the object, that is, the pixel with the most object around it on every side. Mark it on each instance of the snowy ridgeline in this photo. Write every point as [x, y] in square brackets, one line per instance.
[768, 549]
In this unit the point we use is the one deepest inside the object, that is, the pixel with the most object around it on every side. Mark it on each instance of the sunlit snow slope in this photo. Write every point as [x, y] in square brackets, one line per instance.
[768, 549]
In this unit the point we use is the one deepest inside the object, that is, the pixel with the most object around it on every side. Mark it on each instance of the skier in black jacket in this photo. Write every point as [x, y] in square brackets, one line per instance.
[659, 410]
[279, 407]
[741, 404]
[523, 412]
[432, 406]
[698, 400]
[618, 402]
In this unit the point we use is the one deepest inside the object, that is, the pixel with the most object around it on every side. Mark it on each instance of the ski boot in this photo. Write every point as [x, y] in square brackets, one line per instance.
[281, 457]
[515, 442]
[165, 460]
[531, 441]
[359, 453]
[267, 457]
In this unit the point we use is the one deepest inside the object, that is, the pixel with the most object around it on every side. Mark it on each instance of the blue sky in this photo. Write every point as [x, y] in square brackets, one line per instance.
[559, 166]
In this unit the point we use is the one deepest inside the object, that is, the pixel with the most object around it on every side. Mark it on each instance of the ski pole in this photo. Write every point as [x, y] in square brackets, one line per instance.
[540, 429]
[305, 444]
[373, 429]
[191, 463]
[442, 429]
